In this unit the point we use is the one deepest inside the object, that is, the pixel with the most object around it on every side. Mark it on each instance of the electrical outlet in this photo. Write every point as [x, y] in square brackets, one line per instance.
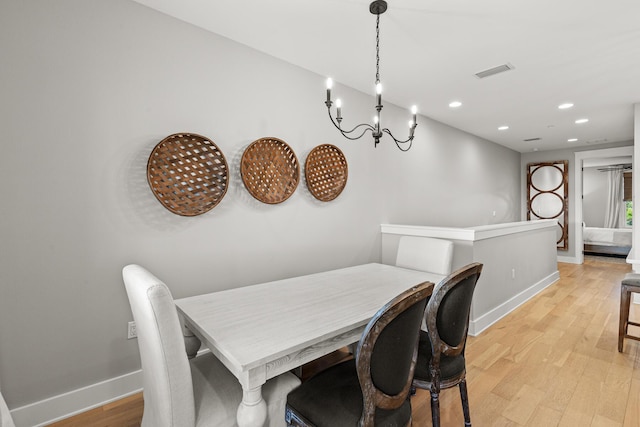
[131, 330]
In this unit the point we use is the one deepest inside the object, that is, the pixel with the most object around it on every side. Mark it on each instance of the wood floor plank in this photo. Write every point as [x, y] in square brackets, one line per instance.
[523, 404]
[632, 410]
[617, 383]
[544, 416]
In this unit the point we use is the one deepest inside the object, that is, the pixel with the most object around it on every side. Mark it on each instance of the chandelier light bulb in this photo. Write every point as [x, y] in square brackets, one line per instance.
[338, 103]
[329, 84]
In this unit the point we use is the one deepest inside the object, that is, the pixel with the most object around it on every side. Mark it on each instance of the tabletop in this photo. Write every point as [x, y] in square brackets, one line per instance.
[253, 325]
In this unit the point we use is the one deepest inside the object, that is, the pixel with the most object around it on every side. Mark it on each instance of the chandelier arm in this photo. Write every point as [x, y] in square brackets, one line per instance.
[353, 138]
[399, 142]
[346, 133]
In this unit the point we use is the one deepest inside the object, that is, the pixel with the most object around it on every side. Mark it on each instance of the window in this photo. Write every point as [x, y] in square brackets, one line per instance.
[628, 199]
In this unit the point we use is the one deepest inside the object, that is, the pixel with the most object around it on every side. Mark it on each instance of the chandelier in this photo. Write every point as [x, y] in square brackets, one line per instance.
[377, 8]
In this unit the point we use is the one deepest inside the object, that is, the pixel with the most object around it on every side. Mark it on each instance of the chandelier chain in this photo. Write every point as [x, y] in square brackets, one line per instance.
[377, 49]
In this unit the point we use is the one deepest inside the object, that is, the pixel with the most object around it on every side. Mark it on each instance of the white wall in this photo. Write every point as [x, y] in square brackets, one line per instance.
[594, 192]
[88, 88]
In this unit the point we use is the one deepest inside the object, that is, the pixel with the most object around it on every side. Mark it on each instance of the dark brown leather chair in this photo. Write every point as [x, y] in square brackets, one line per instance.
[372, 389]
[441, 363]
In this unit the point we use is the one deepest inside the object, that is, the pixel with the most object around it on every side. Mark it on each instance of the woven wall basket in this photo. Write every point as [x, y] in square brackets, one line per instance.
[188, 174]
[326, 172]
[270, 170]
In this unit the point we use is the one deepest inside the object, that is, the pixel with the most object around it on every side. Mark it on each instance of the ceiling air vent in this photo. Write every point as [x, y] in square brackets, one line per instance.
[531, 139]
[494, 70]
[596, 141]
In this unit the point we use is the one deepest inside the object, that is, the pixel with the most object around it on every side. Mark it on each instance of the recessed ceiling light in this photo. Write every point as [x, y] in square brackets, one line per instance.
[503, 128]
[579, 121]
[565, 105]
[572, 139]
[455, 104]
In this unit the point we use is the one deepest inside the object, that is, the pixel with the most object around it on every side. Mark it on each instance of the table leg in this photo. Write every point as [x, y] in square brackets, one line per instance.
[252, 411]
[191, 343]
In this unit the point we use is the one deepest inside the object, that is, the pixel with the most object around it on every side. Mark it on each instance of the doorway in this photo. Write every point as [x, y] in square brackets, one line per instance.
[582, 157]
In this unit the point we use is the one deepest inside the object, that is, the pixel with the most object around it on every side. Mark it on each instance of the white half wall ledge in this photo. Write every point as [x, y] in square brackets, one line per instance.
[471, 234]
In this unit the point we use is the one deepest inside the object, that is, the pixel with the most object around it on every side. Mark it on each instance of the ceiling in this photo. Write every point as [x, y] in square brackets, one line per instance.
[585, 52]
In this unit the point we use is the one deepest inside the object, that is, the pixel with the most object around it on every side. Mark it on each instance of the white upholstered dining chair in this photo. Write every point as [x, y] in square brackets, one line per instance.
[425, 254]
[5, 415]
[179, 392]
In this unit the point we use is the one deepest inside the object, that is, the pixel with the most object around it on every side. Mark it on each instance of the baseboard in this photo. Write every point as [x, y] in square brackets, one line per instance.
[568, 260]
[483, 322]
[77, 401]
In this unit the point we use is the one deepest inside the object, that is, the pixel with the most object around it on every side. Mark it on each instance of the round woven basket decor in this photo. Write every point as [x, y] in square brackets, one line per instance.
[326, 172]
[188, 174]
[270, 170]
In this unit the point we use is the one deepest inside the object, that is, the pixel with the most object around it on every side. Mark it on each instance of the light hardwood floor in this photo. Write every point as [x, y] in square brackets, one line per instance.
[552, 362]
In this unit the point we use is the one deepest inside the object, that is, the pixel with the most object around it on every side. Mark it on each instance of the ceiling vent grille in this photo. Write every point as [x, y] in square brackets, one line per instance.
[495, 70]
[531, 139]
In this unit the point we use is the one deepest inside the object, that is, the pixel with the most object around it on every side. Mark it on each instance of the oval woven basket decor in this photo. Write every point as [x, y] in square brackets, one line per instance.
[188, 174]
[270, 170]
[326, 172]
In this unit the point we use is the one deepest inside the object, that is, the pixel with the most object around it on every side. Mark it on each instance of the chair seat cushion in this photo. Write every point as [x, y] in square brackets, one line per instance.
[450, 367]
[217, 393]
[631, 279]
[333, 398]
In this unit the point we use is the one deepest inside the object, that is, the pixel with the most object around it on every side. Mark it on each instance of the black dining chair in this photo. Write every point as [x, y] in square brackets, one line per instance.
[441, 363]
[373, 388]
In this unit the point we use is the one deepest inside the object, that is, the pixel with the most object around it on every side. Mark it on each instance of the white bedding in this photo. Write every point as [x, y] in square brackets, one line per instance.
[607, 236]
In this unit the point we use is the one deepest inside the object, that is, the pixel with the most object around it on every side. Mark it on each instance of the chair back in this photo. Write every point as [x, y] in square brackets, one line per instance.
[447, 314]
[425, 254]
[5, 416]
[166, 374]
[387, 352]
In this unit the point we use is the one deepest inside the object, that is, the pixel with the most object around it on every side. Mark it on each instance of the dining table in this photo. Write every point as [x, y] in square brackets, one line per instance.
[263, 330]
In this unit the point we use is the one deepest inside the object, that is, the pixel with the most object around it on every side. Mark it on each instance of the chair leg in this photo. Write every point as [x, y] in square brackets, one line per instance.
[435, 408]
[465, 402]
[624, 315]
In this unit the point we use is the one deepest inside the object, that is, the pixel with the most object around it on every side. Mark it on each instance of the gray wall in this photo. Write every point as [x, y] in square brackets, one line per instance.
[88, 88]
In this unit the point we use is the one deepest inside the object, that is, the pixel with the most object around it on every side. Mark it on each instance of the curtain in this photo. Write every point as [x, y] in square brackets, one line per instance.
[613, 211]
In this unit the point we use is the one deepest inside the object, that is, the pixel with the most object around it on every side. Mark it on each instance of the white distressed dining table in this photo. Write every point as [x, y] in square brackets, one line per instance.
[261, 331]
